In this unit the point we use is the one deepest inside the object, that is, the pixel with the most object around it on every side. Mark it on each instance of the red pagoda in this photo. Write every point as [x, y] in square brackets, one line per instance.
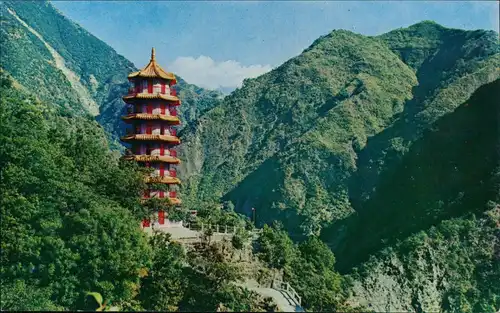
[152, 113]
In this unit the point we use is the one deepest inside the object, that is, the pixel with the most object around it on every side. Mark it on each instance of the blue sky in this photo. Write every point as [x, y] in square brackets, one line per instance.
[218, 43]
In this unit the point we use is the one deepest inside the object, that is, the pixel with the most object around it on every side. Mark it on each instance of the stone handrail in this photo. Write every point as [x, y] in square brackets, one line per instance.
[218, 229]
[283, 286]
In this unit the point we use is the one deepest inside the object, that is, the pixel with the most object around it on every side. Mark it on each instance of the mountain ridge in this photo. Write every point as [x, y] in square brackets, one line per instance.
[312, 87]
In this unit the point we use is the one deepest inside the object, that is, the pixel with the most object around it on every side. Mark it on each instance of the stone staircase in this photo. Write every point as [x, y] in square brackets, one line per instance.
[286, 298]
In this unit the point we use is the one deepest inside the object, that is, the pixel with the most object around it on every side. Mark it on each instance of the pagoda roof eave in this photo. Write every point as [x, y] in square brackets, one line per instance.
[153, 70]
[151, 137]
[159, 96]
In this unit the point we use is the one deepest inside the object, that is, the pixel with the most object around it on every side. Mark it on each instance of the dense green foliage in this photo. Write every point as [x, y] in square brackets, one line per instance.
[448, 178]
[67, 222]
[448, 172]
[308, 266]
[452, 267]
[70, 224]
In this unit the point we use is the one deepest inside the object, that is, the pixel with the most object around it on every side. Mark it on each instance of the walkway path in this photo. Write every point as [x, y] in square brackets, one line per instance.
[281, 300]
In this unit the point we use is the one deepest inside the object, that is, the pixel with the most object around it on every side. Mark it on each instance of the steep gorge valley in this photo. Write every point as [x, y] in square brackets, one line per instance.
[386, 148]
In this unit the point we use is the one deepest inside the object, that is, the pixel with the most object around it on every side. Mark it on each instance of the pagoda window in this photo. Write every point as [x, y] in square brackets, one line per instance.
[162, 194]
[137, 86]
[150, 86]
[161, 217]
[162, 169]
[149, 109]
[144, 85]
[146, 223]
[163, 88]
[156, 86]
[162, 149]
[162, 106]
[149, 129]
[157, 129]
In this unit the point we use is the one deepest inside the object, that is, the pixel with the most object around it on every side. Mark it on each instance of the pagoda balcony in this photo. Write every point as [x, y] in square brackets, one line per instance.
[153, 158]
[162, 180]
[131, 137]
[173, 118]
[134, 90]
[174, 201]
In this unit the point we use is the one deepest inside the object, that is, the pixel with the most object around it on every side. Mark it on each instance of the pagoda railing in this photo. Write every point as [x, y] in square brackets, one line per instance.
[153, 152]
[218, 229]
[133, 91]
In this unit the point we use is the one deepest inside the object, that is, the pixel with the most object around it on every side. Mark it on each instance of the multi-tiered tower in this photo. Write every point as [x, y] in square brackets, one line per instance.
[153, 115]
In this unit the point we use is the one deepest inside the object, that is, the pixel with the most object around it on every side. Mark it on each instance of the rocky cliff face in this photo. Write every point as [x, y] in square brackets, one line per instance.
[429, 240]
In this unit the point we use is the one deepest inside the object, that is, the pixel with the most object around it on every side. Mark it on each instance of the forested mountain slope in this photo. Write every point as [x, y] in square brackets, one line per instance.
[429, 239]
[450, 171]
[73, 70]
[307, 142]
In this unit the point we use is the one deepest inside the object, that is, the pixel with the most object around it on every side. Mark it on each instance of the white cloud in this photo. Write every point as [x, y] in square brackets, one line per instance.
[206, 73]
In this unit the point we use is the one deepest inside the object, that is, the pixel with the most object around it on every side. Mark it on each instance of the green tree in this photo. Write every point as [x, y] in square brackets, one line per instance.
[164, 285]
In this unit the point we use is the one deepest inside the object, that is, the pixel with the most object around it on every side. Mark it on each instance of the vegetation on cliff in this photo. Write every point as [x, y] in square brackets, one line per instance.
[386, 147]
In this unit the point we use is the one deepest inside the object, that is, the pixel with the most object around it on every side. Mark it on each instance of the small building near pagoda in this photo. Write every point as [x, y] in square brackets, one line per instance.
[152, 137]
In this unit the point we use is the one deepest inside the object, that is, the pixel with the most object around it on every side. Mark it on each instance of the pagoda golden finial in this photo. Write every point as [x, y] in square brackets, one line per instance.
[153, 54]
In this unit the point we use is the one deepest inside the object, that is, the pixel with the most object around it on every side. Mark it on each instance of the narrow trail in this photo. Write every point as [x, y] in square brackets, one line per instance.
[90, 105]
[283, 302]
